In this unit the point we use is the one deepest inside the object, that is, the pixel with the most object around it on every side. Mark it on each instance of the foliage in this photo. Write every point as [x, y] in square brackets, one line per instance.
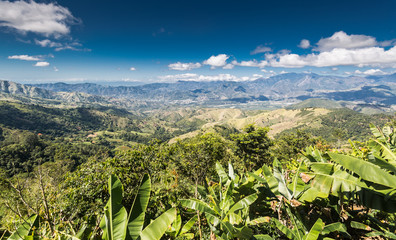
[339, 125]
[281, 192]
[227, 209]
[117, 224]
[253, 146]
[289, 146]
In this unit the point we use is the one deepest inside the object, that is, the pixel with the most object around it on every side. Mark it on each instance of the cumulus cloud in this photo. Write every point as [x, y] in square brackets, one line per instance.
[229, 66]
[342, 40]
[25, 57]
[251, 63]
[369, 56]
[261, 49]
[217, 61]
[304, 44]
[183, 66]
[41, 18]
[132, 69]
[41, 64]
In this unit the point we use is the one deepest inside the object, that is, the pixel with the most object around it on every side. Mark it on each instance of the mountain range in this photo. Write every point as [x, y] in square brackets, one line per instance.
[280, 90]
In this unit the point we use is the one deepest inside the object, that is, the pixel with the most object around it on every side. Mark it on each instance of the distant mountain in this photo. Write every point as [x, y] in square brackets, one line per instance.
[25, 90]
[269, 93]
[281, 87]
[26, 93]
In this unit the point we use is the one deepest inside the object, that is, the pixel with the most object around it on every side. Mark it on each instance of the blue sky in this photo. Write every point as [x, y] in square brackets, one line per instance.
[166, 41]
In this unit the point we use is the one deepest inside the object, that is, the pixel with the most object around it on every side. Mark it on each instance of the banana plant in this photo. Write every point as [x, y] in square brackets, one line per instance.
[227, 211]
[353, 178]
[117, 224]
[177, 230]
[25, 230]
[278, 185]
[290, 194]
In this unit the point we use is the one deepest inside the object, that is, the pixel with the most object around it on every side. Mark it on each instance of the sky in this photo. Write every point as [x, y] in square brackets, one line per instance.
[166, 41]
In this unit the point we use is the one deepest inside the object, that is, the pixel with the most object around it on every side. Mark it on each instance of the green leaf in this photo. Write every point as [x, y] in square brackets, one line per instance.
[188, 225]
[377, 133]
[259, 220]
[231, 173]
[196, 204]
[156, 229]
[220, 171]
[335, 227]
[25, 228]
[361, 226]
[385, 151]
[315, 230]
[116, 216]
[262, 237]
[243, 203]
[379, 161]
[282, 185]
[244, 233]
[365, 170]
[138, 210]
[338, 182]
[288, 232]
[272, 182]
[311, 194]
[234, 218]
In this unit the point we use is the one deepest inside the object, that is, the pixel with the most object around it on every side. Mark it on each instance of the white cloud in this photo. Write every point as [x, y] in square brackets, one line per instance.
[251, 63]
[261, 49]
[229, 66]
[388, 43]
[342, 40]
[47, 43]
[25, 57]
[70, 47]
[56, 69]
[257, 76]
[130, 80]
[41, 64]
[217, 61]
[132, 69]
[74, 46]
[206, 78]
[372, 72]
[334, 69]
[370, 56]
[183, 66]
[304, 44]
[41, 18]
[268, 73]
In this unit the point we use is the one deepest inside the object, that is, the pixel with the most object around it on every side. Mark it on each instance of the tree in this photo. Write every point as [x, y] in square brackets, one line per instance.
[253, 146]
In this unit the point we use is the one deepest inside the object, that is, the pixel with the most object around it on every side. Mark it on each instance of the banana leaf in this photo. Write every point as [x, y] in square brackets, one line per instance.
[25, 228]
[138, 210]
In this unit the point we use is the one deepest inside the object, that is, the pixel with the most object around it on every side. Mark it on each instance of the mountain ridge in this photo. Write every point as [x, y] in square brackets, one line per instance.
[270, 93]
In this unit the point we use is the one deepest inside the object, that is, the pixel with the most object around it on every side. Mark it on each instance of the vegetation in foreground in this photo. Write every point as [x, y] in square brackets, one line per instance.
[319, 194]
[107, 174]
